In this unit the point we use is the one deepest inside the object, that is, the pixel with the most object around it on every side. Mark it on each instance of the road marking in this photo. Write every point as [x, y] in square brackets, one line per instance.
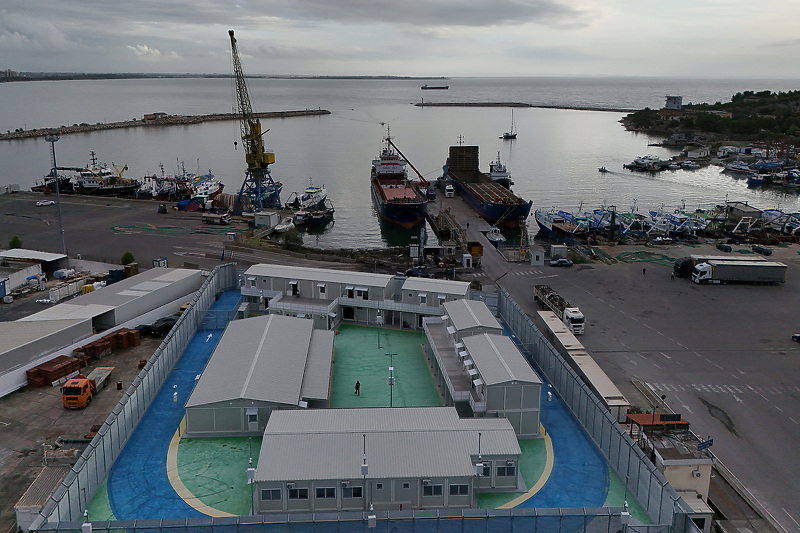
[738, 399]
[790, 516]
[795, 421]
[665, 355]
[548, 469]
[778, 408]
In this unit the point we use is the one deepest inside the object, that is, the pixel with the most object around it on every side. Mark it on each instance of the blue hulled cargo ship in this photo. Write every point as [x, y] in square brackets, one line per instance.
[493, 202]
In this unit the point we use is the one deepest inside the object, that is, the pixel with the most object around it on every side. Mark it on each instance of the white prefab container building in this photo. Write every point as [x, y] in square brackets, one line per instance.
[260, 364]
[469, 317]
[416, 458]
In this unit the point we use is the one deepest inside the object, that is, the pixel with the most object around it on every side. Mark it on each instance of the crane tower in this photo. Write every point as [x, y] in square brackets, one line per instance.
[258, 190]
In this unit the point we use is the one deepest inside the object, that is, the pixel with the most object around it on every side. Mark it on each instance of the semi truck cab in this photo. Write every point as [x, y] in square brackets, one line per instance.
[77, 392]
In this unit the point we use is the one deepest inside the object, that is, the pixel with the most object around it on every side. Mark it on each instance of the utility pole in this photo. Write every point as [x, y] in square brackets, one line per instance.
[52, 139]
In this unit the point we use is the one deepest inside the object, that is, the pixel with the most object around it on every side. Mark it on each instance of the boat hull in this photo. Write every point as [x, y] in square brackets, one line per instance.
[407, 215]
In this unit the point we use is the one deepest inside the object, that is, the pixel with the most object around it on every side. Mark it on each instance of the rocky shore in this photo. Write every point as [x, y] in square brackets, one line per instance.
[165, 120]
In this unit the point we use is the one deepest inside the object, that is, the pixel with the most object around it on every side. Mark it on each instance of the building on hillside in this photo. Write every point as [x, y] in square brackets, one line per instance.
[332, 297]
[673, 102]
[474, 364]
[261, 364]
[382, 459]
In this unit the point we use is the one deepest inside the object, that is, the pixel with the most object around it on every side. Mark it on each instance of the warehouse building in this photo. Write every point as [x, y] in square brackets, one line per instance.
[473, 363]
[260, 365]
[332, 297]
[382, 458]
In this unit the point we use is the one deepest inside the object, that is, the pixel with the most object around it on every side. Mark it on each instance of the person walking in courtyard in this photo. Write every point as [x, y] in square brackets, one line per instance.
[644, 272]
[358, 388]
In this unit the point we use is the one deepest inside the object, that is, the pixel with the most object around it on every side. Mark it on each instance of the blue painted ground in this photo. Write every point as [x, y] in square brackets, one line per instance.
[138, 487]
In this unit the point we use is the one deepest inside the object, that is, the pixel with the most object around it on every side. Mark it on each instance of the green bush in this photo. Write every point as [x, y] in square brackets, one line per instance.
[127, 258]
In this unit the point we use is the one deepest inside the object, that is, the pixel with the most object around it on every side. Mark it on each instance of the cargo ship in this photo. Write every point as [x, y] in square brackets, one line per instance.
[493, 202]
[398, 199]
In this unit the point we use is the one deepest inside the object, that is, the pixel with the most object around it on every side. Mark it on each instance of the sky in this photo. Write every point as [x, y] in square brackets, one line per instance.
[678, 38]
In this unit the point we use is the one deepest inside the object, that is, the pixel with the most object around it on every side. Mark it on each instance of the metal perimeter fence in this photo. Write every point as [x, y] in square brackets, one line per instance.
[642, 479]
[76, 490]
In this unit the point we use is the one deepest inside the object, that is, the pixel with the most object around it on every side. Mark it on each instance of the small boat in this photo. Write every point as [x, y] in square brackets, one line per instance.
[311, 198]
[602, 169]
[427, 87]
[499, 173]
[510, 134]
[285, 224]
[494, 235]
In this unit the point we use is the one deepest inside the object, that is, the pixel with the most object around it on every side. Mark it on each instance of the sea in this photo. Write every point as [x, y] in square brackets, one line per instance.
[554, 160]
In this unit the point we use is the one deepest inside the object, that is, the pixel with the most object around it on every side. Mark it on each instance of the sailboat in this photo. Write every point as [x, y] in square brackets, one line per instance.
[513, 133]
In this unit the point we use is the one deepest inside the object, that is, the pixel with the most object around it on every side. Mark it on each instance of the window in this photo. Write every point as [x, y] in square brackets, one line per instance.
[270, 495]
[432, 490]
[351, 492]
[378, 486]
[487, 469]
[459, 490]
[298, 494]
[251, 282]
[506, 471]
[252, 419]
[362, 293]
[321, 287]
[326, 493]
[406, 485]
[423, 299]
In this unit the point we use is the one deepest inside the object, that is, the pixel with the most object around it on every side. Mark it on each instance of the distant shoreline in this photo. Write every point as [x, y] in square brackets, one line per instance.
[522, 104]
[166, 120]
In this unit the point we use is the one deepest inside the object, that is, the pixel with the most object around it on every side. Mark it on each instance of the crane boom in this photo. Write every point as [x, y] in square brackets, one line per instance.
[258, 188]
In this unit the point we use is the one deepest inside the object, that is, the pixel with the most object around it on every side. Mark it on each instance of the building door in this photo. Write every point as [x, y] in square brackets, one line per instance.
[252, 419]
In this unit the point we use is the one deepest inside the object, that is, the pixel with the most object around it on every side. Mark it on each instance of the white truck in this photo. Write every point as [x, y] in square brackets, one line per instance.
[683, 266]
[761, 272]
[570, 315]
[217, 218]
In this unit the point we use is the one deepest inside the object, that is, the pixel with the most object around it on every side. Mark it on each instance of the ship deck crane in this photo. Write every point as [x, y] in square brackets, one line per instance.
[258, 190]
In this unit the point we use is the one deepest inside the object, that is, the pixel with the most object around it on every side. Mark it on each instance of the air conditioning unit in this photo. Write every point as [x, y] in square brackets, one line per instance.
[509, 463]
[290, 485]
[345, 484]
[426, 482]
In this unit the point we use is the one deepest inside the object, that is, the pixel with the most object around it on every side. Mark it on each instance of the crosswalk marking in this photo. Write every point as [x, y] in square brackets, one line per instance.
[772, 390]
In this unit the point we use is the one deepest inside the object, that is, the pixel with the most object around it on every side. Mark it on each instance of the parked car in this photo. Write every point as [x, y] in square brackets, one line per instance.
[419, 272]
[796, 337]
[162, 326]
[763, 250]
[561, 263]
[724, 247]
[42, 203]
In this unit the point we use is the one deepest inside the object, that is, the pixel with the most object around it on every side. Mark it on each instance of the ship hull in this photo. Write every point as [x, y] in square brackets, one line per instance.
[405, 214]
[505, 214]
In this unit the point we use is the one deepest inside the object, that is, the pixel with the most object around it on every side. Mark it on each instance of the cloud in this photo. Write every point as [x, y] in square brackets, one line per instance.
[145, 52]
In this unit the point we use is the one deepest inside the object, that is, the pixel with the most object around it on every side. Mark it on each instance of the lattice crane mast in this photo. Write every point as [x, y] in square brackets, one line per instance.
[258, 188]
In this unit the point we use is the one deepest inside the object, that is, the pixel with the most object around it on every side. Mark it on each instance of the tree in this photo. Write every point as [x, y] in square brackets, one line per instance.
[127, 258]
[15, 242]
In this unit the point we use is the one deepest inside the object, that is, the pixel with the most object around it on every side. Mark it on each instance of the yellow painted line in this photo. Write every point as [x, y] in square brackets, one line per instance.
[548, 469]
[175, 479]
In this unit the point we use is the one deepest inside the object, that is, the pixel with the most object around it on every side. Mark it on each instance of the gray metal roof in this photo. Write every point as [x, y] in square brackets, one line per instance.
[68, 311]
[22, 253]
[498, 360]
[466, 314]
[442, 286]
[400, 442]
[319, 274]
[18, 333]
[39, 492]
[261, 358]
[317, 375]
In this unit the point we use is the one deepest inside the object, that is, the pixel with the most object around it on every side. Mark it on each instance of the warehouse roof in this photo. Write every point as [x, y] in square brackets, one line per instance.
[400, 442]
[498, 360]
[318, 274]
[466, 314]
[22, 253]
[19, 333]
[265, 358]
[446, 286]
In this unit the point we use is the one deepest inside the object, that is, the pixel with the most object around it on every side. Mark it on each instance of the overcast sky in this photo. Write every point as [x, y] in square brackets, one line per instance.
[677, 38]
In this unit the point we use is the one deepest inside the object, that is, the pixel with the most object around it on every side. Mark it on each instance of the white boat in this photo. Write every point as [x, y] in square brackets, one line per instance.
[513, 133]
[285, 224]
[494, 235]
[499, 173]
[311, 198]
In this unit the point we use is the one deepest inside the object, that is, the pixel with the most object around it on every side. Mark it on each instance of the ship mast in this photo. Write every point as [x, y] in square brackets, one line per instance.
[258, 187]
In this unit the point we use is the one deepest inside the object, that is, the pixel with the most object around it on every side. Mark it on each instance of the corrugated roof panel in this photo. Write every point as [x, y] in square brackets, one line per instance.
[18, 333]
[363, 420]
[22, 253]
[43, 486]
[318, 274]
[68, 311]
[317, 375]
[465, 314]
[498, 360]
[444, 286]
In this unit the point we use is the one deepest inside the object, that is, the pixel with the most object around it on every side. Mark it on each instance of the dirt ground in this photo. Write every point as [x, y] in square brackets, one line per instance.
[32, 418]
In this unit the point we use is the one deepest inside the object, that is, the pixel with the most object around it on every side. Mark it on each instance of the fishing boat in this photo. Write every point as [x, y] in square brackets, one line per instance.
[312, 197]
[99, 180]
[602, 170]
[427, 87]
[512, 134]
[494, 236]
[555, 224]
[499, 173]
[48, 184]
[493, 202]
[397, 198]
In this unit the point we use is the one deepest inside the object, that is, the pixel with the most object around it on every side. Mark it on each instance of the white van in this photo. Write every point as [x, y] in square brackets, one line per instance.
[449, 191]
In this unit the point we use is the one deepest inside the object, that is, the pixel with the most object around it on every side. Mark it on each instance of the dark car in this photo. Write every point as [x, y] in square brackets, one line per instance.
[561, 263]
[724, 247]
[796, 337]
[162, 326]
[763, 250]
[418, 272]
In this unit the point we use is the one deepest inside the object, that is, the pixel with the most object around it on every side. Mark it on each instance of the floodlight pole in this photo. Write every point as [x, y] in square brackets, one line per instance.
[52, 139]
[391, 377]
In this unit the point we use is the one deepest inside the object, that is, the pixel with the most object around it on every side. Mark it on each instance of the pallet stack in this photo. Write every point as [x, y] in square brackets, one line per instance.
[53, 370]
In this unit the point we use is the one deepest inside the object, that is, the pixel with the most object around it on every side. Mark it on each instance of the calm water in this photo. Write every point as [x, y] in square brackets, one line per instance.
[554, 160]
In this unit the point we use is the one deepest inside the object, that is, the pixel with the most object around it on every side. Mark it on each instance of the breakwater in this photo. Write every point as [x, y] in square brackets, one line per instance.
[522, 104]
[161, 120]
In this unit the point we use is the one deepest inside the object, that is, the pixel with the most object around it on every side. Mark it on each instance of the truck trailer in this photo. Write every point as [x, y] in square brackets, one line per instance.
[78, 392]
[765, 272]
[683, 266]
[570, 315]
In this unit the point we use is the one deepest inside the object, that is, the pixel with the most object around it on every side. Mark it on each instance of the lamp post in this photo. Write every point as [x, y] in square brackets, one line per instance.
[52, 139]
[391, 378]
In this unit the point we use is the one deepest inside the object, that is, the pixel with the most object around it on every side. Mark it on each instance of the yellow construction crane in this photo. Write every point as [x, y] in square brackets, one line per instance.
[258, 190]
